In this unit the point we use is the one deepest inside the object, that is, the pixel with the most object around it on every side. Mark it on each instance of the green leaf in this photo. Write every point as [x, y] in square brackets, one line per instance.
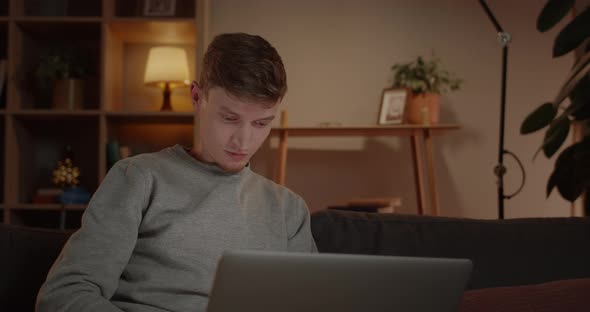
[573, 34]
[573, 77]
[572, 173]
[538, 119]
[580, 100]
[556, 135]
[552, 13]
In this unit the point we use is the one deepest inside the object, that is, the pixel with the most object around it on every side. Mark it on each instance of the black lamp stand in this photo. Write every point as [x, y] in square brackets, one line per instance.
[500, 170]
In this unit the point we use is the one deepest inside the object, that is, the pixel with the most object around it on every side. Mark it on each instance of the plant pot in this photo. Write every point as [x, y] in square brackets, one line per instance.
[423, 108]
[68, 94]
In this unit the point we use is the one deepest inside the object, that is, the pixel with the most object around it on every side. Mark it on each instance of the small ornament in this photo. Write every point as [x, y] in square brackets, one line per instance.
[66, 174]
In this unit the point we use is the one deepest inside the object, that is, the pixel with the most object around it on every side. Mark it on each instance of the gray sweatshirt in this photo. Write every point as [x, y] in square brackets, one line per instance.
[156, 227]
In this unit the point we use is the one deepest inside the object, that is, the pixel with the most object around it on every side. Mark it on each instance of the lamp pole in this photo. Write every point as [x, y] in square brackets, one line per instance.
[500, 170]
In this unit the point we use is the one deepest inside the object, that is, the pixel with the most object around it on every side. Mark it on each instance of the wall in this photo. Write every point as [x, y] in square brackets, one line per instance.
[338, 55]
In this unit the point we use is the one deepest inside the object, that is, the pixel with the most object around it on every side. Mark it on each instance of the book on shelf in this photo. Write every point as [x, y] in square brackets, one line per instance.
[116, 152]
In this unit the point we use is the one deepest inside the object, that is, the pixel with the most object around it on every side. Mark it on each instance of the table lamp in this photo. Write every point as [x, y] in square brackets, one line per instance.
[166, 68]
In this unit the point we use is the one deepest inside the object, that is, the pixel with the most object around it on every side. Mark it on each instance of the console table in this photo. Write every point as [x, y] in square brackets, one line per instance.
[420, 138]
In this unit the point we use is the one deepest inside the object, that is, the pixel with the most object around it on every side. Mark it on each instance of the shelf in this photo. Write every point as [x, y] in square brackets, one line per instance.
[161, 31]
[111, 40]
[37, 114]
[59, 29]
[149, 19]
[49, 207]
[127, 44]
[152, 117]
[58, 8]
[405, 129]
[135, 9]
[40, 141]
[57, 19]
[78, 40]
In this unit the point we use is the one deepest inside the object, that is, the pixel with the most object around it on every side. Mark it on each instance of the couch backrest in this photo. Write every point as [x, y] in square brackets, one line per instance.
[26, 255]
[504, 252]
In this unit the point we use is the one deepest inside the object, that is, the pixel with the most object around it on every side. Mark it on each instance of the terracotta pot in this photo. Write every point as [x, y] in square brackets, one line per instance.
[423, 108]
[68, 94]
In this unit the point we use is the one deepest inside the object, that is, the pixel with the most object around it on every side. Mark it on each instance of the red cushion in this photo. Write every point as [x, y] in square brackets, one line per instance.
[565, 295]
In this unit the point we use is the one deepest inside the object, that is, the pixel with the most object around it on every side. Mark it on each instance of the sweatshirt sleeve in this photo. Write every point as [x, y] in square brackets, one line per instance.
[299, 227]
[86, 274]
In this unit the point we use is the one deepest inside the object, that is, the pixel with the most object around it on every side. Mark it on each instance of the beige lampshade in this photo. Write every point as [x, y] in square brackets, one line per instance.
[166, 65]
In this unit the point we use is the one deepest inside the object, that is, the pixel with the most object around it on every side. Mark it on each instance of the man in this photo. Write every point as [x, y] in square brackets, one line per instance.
[156, 227]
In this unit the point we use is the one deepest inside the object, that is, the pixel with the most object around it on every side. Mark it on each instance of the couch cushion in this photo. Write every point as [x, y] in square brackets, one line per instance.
[564, 295]
[504, 252]
[25, 258]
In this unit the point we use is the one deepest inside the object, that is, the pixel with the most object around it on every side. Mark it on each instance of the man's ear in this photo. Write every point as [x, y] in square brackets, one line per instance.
[196, 94]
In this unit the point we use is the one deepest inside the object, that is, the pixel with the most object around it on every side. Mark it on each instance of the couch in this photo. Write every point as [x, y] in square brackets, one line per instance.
[519, 264]
[537, 264]
[26, 255]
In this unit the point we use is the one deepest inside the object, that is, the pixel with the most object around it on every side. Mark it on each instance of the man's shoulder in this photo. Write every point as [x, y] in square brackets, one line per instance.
[271, 187]
[152, 161]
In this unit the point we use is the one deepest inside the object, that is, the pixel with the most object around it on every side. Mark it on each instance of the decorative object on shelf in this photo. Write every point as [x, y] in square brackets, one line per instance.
[159, 7]
[66, 174]
[74, 195]
[393, 105]
[571, 174]
[61, 71]
[66, 177]
[426, 80]
[166, 68]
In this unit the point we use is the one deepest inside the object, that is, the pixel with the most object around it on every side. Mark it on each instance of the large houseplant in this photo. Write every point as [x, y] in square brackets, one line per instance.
[426, 79]
[571, 174]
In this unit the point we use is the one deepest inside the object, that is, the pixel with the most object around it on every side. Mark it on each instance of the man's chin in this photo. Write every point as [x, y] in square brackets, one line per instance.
[232, 167]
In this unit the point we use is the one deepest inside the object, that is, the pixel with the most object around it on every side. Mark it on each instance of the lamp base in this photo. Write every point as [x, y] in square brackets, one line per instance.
[166, 106]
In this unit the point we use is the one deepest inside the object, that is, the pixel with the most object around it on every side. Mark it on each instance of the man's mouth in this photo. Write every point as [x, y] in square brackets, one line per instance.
[236, 156]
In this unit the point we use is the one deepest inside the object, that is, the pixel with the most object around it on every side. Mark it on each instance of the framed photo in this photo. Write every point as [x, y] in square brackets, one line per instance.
[159, 7]
[393, 106]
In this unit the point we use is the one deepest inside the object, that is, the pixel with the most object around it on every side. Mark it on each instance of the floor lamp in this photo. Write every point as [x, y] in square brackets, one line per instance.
[500, 170]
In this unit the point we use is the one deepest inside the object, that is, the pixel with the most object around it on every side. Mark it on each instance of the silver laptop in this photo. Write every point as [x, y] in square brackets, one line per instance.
[258, 281]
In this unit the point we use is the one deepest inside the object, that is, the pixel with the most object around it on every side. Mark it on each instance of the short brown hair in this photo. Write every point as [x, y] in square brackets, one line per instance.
[246, 66]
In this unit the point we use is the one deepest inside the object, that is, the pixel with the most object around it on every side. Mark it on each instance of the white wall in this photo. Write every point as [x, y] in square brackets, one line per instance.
[338, 55]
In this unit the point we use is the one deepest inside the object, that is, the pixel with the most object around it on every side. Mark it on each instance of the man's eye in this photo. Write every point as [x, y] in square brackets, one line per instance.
[261, 124]
[229, 118]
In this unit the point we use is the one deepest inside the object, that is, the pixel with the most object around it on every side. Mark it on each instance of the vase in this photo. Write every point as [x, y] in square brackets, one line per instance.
[423, 108]
[68, 94]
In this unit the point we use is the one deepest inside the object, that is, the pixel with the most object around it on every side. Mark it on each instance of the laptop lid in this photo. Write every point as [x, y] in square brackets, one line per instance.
[279, 281]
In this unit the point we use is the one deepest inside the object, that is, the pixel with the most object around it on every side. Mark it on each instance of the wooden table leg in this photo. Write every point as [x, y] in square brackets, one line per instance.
[282, 165]
[416, 152]
[430, 173]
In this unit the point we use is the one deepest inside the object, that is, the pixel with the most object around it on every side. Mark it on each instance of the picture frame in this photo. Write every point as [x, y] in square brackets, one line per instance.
[393, 106]
[159, 7]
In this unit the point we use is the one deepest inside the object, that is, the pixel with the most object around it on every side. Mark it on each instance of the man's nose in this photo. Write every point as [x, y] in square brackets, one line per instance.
[242, 136]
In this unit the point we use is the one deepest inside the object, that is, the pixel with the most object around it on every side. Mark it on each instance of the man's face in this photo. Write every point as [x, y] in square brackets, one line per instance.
[231, 130]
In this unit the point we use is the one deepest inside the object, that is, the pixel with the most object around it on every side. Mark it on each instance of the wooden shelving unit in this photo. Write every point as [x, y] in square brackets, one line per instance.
[114, 36]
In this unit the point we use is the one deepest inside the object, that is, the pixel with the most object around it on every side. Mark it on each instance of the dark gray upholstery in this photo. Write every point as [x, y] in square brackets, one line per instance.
[504, 252]
[26, 255]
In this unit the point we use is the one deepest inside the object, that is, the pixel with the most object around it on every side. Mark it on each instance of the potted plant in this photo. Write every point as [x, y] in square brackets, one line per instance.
[426, 81]
[61, 72]
[571, 174]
